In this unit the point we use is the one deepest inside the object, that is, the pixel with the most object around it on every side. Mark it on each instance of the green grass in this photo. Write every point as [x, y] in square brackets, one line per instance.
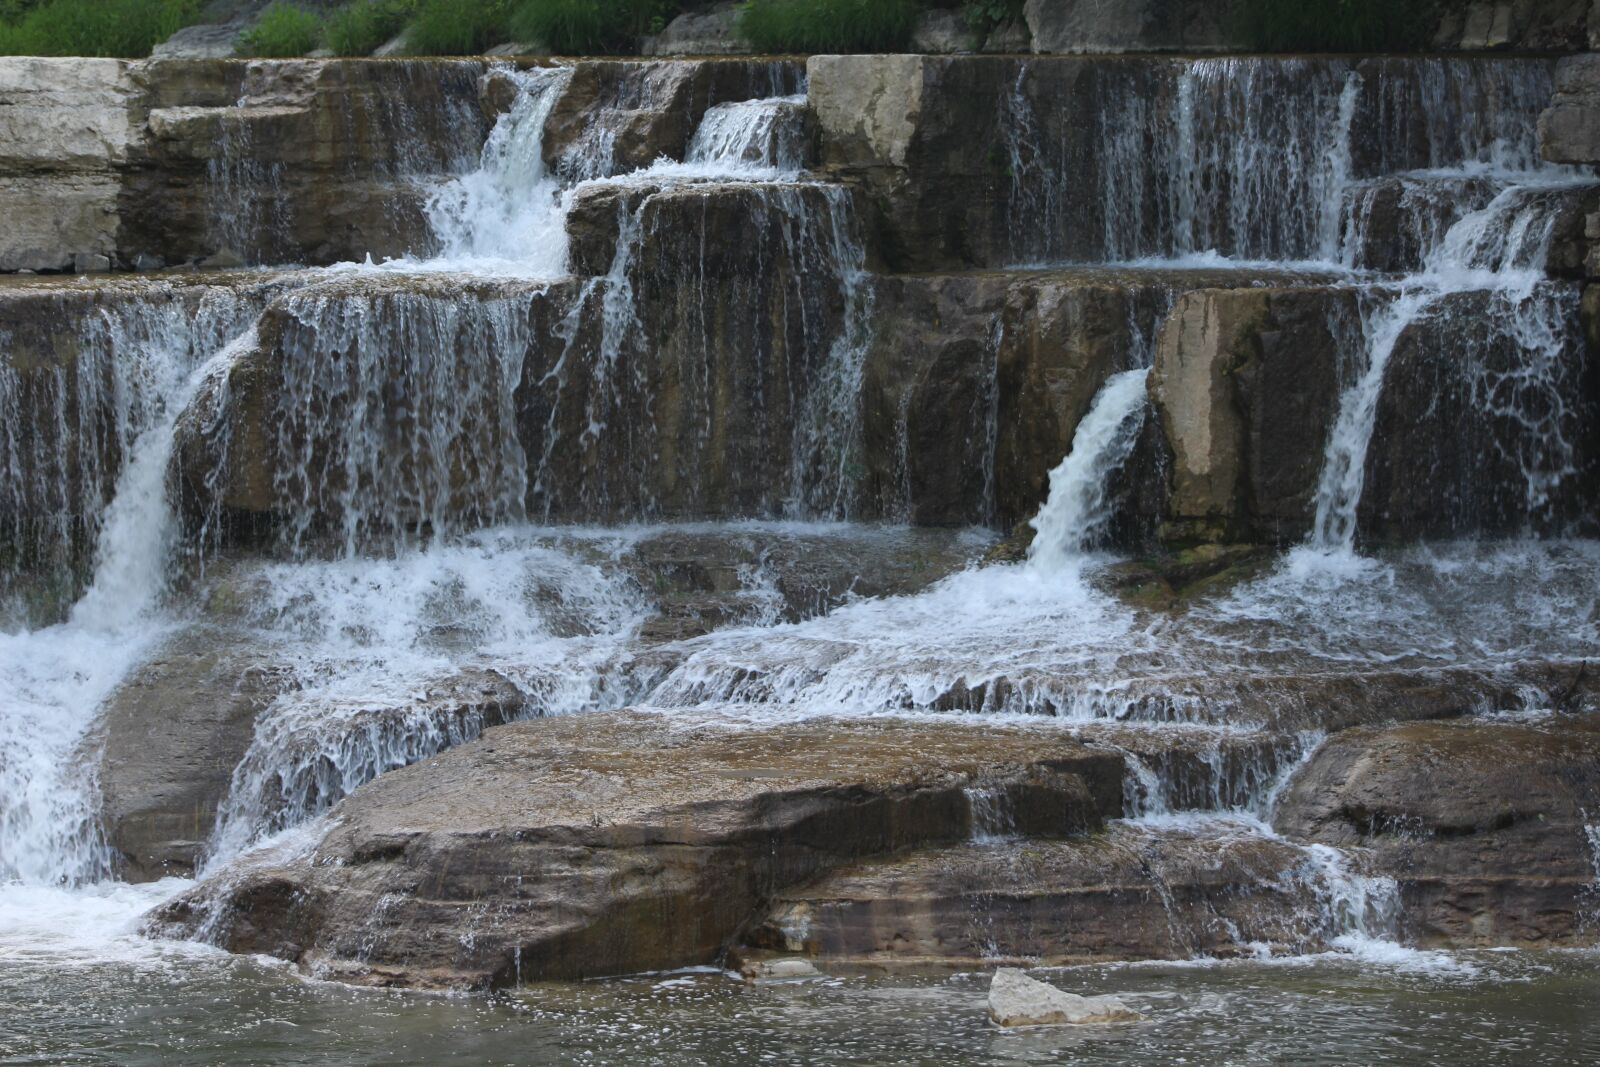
[1336, 25]
[590, 27]
[283, 31]
[828, 25]
[458, 27]
[361, 28]
[126, 29]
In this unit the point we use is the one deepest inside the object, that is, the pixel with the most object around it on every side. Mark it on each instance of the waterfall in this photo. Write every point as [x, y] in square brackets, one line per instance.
[508, 214]
[53, 680]
[1078, 507]
[1500, 248]
[764, 133]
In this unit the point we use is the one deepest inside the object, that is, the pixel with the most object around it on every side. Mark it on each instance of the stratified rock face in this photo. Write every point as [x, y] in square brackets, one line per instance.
[605, 844]
[1484, 824]
[616, 117]
[65, 129]
[993, 161]
[82, 371]
[1569, 132]
[1131, 893]
[304, 161]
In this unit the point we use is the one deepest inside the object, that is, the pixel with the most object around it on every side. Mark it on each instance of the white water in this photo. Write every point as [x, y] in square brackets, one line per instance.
[763, 134]
[1078, 509]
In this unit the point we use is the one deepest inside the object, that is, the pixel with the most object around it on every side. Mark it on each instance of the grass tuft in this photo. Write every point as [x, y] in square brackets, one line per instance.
[458, 27]
[125, 29]
[828, 25]
[283, 31]
[1335, 25]
[590, 27]
[361, 28]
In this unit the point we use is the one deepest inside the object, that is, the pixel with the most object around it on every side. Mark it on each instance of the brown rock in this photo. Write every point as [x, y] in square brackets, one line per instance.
[608, 843]
[1483, 823]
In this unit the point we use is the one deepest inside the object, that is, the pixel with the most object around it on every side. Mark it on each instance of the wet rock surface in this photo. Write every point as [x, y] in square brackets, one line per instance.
[603, 844]
[1484, 824]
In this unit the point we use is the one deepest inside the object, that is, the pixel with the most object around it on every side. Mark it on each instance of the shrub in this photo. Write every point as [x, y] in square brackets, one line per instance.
[1335, 25]
[586, 27]
[126, 29]
[361, 28]
[828, 25]
[283, 30]
[457, 27]
[984, 16]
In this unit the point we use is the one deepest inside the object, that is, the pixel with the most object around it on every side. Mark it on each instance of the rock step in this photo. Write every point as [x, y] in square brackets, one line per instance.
[1204, 887]
[611, 843]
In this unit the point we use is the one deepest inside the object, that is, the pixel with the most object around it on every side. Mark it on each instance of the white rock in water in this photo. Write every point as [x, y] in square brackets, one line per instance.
[1017, 1000]
[775, 970]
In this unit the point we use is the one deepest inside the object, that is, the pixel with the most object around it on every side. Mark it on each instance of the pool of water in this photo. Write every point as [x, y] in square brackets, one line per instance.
[125, 1002]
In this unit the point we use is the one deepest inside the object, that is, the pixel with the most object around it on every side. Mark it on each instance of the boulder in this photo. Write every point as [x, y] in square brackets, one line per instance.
[1017, 1000]
[713, 31]
[940, 31]
[1484, 824]
[1569, 131]
[610, 843]
[1111, 26]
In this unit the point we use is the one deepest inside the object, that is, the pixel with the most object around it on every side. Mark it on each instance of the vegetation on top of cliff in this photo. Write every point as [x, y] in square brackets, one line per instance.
[122, 28]
[458, 27]
[578, 27]
[361, 28]
[283, 30]
[1336, 25]
[828, 25]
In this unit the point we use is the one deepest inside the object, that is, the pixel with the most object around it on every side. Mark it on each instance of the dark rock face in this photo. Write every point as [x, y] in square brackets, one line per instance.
[1568, 130]
[1476, 434]
[1090, 155]
[621, 842]
[1246, 387]
[1482, 823]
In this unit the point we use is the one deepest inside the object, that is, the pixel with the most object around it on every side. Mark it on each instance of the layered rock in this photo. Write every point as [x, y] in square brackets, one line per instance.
[65, 130]
[1131, 893]
[1569, 131]
[1095, 159]
[1487, 826]
[569, 848]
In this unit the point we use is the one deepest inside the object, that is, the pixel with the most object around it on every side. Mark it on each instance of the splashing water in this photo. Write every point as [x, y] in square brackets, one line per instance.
[1078, 508]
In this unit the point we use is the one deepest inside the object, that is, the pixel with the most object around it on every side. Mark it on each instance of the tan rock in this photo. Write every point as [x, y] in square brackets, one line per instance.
[1017, 1000]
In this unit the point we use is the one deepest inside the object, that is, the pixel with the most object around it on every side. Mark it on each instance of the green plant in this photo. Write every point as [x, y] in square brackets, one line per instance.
[985, 15]
[122, 28]
[1335, 25]
[581, 27]
[361, 28]
[282, 30]
[828, 25]
[457, 27]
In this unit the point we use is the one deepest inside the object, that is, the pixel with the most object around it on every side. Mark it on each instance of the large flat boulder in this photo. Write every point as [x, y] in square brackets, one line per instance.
[617, 842]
